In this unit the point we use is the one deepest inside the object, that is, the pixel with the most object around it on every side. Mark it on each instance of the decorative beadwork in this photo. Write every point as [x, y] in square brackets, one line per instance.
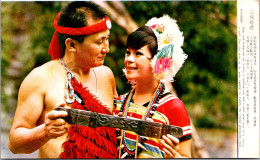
[71, 96]
[126, 152]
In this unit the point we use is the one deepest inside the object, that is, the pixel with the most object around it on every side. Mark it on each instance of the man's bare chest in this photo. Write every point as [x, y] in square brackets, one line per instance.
[54, 94]
[57, 91]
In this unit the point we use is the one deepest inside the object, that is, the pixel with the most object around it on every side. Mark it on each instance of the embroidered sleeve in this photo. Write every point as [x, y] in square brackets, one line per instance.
[174, 109]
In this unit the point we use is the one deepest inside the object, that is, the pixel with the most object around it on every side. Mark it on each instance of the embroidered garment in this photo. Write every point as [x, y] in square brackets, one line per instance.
[170, 110]
[86, 142]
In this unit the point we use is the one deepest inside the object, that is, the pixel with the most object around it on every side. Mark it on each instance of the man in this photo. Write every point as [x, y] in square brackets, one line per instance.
[82, 43]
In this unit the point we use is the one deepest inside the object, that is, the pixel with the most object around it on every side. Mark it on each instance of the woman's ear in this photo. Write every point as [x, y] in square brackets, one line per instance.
[70, 44]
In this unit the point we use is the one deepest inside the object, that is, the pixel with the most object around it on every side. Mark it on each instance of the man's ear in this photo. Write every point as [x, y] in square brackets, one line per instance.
[70, 44]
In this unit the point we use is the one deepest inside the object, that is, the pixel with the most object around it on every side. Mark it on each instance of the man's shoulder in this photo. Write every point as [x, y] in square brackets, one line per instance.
[42, 72]
[104, 71]
[103, 68]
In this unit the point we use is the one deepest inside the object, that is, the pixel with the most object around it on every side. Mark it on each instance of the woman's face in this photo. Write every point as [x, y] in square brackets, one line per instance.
[138, 63]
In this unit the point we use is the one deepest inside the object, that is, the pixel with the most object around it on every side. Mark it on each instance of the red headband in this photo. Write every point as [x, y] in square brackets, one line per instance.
[55, 49]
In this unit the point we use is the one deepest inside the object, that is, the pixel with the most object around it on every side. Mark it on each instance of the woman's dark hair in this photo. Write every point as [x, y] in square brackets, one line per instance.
[141, 37]
[75, 15]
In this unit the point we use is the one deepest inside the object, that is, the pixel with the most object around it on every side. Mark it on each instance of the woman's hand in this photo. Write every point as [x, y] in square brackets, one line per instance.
[171, 146]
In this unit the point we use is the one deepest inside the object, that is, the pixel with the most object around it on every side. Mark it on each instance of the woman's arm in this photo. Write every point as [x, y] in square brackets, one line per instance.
[175, 149]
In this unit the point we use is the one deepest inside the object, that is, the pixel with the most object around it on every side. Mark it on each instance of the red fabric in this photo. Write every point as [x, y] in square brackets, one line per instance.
[98, 27]
[177, 108]
[55, 49]
[86, 142]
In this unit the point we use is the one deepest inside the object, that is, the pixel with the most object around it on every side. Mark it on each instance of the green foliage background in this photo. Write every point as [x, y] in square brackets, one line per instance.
[207, 83]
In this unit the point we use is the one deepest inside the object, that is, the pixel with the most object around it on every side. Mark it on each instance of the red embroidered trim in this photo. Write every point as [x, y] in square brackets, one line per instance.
[86, 142]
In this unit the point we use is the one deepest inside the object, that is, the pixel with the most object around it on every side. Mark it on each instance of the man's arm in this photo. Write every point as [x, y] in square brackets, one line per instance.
[114, 85]
[25, 136]
[108, 81]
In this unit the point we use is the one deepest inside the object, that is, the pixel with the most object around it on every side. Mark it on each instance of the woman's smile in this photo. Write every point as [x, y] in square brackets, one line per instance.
[131, 68]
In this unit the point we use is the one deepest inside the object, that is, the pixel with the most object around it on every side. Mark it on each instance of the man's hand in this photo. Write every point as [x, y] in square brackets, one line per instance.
[55, 126]
[171, 146]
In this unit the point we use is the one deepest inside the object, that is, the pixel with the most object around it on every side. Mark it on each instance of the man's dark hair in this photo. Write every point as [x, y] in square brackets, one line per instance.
[141, 37]
[75, 15]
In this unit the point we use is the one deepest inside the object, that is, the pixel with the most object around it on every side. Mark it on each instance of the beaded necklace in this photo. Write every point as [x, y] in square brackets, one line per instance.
[124, 150]
[71, 96]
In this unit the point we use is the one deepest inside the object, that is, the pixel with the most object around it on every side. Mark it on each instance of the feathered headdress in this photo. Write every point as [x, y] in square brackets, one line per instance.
[170, 56]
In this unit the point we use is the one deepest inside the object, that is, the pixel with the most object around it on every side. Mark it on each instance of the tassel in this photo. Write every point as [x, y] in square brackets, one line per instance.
[163, 65]
[157, 66]
[55, 49]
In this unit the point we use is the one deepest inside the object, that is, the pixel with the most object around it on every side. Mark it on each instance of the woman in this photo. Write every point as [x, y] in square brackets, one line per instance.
[154, 55]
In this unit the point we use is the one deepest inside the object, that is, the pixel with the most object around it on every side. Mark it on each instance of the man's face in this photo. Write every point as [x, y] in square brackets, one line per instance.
[92, 51]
